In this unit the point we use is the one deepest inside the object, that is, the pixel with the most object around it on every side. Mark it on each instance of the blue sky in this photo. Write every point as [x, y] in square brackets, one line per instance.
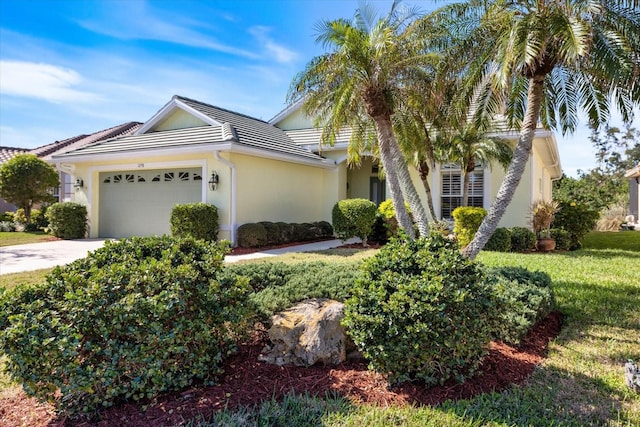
[69, 67]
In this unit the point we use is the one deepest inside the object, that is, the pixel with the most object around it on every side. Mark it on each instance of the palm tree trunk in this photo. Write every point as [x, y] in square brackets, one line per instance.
[423, 171]
[384, 131]
[408, 189]
[465, 188]
[514, 172]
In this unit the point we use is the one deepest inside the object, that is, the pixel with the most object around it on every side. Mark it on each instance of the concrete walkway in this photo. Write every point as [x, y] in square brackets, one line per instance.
[35, 256]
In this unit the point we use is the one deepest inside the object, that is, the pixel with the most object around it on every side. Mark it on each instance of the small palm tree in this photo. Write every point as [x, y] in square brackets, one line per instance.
[542, 60]
[469, 147]
[359, 84]
[543, 213]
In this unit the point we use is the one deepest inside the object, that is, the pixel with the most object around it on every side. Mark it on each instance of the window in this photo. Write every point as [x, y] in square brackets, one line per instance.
[451, 188]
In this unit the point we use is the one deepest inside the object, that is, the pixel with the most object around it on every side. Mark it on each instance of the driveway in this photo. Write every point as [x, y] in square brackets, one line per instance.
[35, 256]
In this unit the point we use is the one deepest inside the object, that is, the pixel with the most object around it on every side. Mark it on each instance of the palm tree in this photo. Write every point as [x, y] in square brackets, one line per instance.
[470, 147]
[360, 84]
[543, 60]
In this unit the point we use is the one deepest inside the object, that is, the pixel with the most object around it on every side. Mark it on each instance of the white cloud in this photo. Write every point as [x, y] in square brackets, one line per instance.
[142, 22]
[42, 81]
[280, 53]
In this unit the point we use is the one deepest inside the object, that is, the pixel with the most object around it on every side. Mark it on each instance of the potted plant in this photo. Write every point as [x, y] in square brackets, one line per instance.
[543, 212]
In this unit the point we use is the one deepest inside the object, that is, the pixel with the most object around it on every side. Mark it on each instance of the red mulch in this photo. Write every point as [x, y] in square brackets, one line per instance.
[242, 251]
[248, 381]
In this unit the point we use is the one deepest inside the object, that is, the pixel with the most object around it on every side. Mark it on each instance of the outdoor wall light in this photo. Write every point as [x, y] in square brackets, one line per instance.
[213, 181]
[79, 184]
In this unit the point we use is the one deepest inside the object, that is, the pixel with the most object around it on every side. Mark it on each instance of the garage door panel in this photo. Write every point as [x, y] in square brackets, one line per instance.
[139, 203]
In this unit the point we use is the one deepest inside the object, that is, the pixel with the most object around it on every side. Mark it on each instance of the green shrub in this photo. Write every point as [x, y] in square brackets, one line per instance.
[67, 220]
[354, 218]
[577, 219]
[522, 239]
[278, 286]
[467, 220]
[133, 319]
[274, 234]
[252, 235]
[388, 213]
[562, 238]
[19, 216]
[500, 240]
[325, 228]
[422, 311]
[526, 297]
[379, 232]
[6, 217]
[39, 218]
[197, 220]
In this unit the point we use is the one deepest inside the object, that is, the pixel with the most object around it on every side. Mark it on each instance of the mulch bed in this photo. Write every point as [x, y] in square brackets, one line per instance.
[247, 382]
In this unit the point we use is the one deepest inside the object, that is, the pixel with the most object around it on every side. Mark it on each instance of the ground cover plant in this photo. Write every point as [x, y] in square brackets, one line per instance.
[580, 383]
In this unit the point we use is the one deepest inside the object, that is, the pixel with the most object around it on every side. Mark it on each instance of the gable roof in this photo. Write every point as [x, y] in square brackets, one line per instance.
[224, 130]
[7, 153]
[73, 143]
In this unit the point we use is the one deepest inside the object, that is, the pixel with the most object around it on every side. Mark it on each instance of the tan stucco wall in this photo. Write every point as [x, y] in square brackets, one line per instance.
[271, 190]
[296, 120]
[179, 119]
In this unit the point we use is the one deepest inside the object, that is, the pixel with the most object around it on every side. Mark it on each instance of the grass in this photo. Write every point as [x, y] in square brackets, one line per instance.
[10, 238]
[580, 383]
[10, 281]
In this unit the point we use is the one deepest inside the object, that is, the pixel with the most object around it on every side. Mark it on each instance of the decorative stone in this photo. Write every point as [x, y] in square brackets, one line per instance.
[308, 333]
[632, 376]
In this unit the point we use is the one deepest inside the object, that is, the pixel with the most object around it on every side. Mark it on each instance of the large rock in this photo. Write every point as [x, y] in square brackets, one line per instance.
[308, 333]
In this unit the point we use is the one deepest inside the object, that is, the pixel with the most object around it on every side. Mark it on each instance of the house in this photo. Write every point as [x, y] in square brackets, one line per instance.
[7, 153]
[66, 191]
[634, 192]
[445, 180]
[254, 170]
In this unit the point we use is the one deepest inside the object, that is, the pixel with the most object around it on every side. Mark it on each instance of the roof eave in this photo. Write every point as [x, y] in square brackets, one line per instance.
[170, 107]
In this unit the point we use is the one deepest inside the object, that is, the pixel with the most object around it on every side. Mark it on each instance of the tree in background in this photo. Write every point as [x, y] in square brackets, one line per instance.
[617, 150]
[25, 181]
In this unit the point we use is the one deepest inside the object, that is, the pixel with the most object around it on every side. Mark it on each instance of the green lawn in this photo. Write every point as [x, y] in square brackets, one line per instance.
[581, 383]
[10, 238]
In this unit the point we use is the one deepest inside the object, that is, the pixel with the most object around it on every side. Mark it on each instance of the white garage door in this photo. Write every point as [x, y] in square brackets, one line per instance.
[139, 203]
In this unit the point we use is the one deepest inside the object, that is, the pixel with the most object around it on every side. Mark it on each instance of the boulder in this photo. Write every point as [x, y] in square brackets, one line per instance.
[308, 333]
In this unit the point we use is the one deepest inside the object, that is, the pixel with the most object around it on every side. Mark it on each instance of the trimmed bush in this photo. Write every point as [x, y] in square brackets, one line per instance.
[252, 235]
[500, 240]
[467, 220]
[526, 297]
[274, 234]
[353, 218]
[278, 286]
[67, 220]
[388, 213]
[197, 220]
[522, 239]
[422, 311]
[577, 219]
[6, 217]
[133, 319]
[562, 238]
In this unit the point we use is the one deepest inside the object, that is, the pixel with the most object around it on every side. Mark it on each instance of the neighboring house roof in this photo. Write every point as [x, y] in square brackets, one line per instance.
[224, 130]
[633, 172]
[58, 147]
[7, 153]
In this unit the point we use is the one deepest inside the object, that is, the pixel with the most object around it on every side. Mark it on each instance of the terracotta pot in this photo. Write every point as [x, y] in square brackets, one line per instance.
[545, 245]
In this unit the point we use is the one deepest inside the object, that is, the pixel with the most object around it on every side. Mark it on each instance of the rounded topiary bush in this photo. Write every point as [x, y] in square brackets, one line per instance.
[67, 220]
[500, 241]
[522, 239]
[252, 235]
[197, 220]
[422, 311]
[133, 319]
[562, 238]
[353, 218]
[467, 220]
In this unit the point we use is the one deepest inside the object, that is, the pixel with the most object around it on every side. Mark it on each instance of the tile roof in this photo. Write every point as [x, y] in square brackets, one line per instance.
[237, 129]
[79, 141]
[7, 153]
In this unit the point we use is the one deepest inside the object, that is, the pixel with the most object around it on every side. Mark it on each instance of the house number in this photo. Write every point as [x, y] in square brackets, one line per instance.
[140, 165]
